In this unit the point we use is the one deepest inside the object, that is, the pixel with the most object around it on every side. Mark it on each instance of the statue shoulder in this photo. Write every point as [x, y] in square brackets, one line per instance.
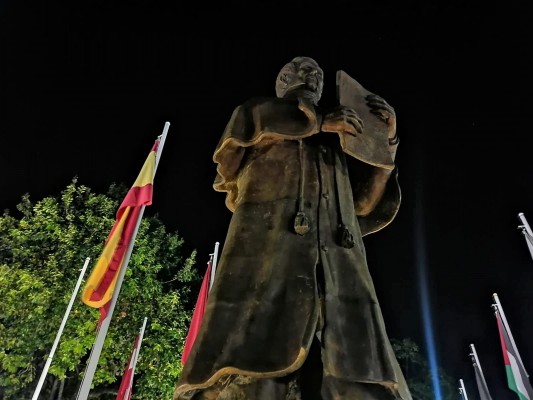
[258, 101]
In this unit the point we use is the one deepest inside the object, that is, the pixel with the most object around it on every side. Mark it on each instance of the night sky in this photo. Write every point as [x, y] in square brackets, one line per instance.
[84, 91]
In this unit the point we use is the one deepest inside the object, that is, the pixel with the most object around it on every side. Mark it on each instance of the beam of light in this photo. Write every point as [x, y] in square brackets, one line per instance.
[421, 260]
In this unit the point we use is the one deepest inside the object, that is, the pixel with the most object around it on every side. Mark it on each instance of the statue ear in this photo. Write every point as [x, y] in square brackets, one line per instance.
[281, 85]
[282, 80]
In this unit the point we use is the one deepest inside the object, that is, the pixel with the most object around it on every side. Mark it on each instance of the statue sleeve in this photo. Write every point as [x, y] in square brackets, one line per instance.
[257, 120]
[371, 159]
[229, 154]
[385, 210]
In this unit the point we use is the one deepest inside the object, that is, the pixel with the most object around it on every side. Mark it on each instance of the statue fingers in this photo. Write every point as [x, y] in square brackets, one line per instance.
[377, 102]
[355, 124]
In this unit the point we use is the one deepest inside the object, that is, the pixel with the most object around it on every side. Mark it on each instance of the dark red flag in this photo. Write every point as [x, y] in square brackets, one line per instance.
[126, 386]
[197, 315]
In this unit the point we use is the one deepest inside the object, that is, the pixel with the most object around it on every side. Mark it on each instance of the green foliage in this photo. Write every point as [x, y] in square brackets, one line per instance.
[418, 375]
[41, 256]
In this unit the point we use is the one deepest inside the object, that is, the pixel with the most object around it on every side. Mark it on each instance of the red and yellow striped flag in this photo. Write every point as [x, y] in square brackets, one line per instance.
[101, 283]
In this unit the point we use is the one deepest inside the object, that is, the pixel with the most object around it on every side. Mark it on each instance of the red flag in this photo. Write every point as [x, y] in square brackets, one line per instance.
[126, 386]
[101, 283]
[197, 315]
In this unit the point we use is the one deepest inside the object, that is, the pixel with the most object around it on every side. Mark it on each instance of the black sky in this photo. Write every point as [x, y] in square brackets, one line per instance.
[85, 90]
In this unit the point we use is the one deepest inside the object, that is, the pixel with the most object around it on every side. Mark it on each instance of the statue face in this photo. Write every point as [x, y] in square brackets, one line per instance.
[301, 75]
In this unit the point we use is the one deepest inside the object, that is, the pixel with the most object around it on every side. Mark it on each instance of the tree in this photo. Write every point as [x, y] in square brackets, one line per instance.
[418, 374]
[41, 255]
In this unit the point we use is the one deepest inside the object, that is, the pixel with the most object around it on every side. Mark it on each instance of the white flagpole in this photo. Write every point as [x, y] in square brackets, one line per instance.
[136, 355]
[85, 387]
[525, 225]
[526, 231]
[475, 359]
[141, 334]
[214, 266]
[60, 332]
[499, 310]
[462, 389]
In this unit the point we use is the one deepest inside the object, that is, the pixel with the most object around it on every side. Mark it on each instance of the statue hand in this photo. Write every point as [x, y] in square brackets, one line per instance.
[343, 120]
[384, 111]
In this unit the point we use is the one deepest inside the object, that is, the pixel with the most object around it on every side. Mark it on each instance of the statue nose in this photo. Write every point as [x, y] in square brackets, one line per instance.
[308, 72]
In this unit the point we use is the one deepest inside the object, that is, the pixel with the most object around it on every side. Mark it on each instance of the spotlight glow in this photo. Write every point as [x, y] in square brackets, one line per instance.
[425, 301]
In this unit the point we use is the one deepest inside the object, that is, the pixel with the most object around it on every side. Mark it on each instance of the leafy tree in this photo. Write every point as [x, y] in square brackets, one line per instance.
[41, 255]
[418, 374]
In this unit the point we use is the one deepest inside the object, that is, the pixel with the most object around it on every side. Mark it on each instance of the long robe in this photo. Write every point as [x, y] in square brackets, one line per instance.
[263, 308]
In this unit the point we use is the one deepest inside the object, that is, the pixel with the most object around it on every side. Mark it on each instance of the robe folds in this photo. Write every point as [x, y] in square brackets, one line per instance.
[263, 309]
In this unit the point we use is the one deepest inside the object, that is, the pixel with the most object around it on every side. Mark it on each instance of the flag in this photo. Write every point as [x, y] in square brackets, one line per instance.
[197, 315]
[126, 386]
[517, 378]
[481, 384]
[102, 281]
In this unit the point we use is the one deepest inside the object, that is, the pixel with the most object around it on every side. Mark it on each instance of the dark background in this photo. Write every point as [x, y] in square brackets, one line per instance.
[86, 89]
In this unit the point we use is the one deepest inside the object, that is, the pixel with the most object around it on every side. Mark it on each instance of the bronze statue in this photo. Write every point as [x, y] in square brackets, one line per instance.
[293, 313]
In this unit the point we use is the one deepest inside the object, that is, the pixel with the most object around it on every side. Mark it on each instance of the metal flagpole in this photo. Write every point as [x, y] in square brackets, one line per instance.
[141, 334]
[214, 265]
[59, 332]
[525, 225]
[135, 358]
[85, 387]
[482, 386]
[499, 309]
[462, 390]
[527, 232]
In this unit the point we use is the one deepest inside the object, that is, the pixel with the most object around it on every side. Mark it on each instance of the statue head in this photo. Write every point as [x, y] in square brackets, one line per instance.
[301, 77]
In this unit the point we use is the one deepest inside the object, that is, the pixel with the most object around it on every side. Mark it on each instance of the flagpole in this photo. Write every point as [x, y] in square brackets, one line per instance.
[475, 359]
[133, 361]
[214, 265]
[162, 137]
[60, 332]
[525, 225]
[85, 387]
[499, 310]
[526, 232]
[141, 334]
[462, 389]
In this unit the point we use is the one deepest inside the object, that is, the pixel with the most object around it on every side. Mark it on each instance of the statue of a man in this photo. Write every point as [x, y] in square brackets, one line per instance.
[293, 313]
